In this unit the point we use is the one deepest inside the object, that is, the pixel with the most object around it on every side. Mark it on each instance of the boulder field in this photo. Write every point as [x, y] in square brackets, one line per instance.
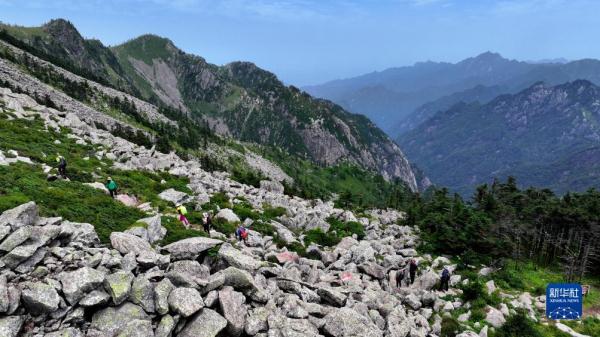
[57, 279]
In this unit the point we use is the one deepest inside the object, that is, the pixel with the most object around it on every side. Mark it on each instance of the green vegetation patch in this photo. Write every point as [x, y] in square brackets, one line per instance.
[337, 231]
[73, 201]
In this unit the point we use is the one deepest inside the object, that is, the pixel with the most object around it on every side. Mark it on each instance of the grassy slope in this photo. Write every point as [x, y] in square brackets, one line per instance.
[71, 199]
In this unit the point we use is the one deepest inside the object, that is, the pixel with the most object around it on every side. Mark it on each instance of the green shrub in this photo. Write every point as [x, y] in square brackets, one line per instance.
[343, 229]
[509, 278]
[473, 291]
[321, 238]
[450, 327]
[245, 211]
[263, 228]
[270, 212]
[591, 326]
[477, 314]
[176, 231]
[223, 226]
[518, 325]
[219, 199]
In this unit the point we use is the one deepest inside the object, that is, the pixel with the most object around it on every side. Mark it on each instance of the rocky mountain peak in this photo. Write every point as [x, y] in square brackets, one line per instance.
[249, 75]
[63, 30]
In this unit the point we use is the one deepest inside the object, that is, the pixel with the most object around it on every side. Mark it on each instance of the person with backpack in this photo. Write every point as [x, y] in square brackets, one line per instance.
[207, 223]
[182, 211]
[112, 187]
[241, 233]
[62, 165]
[400, 277]
[412, 268]
[445, 279]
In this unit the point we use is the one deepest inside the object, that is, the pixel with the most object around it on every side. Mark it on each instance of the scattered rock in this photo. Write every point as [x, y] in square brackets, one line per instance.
[207, 323]
[228, 215]
[185, 301]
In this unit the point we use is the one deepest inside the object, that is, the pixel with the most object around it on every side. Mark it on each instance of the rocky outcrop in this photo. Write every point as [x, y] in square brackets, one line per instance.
[190, 293]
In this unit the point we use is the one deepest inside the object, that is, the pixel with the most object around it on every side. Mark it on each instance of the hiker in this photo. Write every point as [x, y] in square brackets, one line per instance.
[182, 211]
[62, 165]
[400, 277]
[412, 268]
[112, 187]
[445, 279]
[242, 234]
[207, 223]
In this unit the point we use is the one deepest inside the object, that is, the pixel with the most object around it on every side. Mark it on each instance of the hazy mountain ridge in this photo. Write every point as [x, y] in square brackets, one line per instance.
[408, 88]
[238, 100]
[539, 135]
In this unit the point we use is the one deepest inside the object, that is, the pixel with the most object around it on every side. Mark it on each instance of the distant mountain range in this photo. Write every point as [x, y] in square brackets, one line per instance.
[238, 100]
[546, 136]
[398, 99]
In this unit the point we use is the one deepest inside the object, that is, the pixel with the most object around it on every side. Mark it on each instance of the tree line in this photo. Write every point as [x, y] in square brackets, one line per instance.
[502, 221]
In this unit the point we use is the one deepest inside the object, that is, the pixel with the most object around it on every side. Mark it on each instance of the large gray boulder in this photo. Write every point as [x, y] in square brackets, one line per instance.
[280, 325]
[118, 286]
[21, 253]
[227, 215]
[332, 296]
[83, 233]
[126, 243]
[165, 326]
[77, 283]
[39, 298]
[188, 273]
[185, 301]
[111, 320]
[413, 301]
[238, 259]
[232, 306]
[257, 321]
[206, 323]
[156, 231]
[137, 328]
[94, 298]
[162, 290]
[239, 279]
[190, 249]
[15, 238]
[174, 196]
[373, 269]
[23, 215]
[10, 326]
[4, 300]
[67, 332]
[397, 323]
[142, 293]
[4, 231]
[284, 233]
[427, 281]
[494, 317]
[272, 186]
[346, 322]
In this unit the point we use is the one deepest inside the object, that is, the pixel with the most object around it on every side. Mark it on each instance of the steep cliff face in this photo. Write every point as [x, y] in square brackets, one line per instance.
[540, 135]
[251, 104]
[238, 100]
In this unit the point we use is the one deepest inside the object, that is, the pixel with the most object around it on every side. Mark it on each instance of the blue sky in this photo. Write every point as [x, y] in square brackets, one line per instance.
[311, 41]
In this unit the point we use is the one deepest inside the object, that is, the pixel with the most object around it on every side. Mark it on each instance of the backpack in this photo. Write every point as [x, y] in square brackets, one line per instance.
[182, 210]
[112, 186]
[399, 276]
[62, 161]
[445, 274]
